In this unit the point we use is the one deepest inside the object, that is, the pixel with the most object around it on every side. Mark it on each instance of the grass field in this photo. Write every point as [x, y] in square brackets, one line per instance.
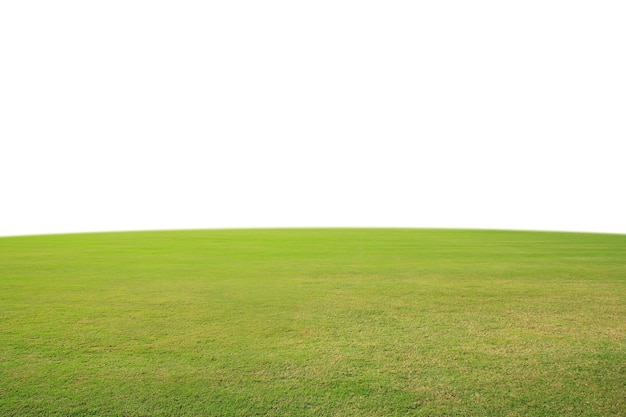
[313, 322]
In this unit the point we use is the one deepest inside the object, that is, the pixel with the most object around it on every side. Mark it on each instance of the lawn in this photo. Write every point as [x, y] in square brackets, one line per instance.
[313, 322]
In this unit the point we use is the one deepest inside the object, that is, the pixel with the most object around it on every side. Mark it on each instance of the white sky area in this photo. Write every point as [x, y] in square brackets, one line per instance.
[140, 115]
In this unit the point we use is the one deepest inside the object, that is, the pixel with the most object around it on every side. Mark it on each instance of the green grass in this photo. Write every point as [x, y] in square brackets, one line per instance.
[313, 322]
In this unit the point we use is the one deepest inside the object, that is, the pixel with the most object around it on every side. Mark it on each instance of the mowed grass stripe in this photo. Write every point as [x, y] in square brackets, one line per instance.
[313, 322]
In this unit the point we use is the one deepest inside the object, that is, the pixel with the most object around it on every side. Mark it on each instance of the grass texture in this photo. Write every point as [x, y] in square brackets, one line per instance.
[313, 322]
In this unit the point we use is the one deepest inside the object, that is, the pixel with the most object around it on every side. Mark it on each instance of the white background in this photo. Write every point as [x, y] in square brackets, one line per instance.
[126, 115]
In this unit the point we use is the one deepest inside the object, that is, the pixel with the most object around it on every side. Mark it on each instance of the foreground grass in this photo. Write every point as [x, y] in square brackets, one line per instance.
[313, 322]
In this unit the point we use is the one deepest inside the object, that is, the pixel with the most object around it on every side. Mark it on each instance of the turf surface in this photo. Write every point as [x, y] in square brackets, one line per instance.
[313, 322]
